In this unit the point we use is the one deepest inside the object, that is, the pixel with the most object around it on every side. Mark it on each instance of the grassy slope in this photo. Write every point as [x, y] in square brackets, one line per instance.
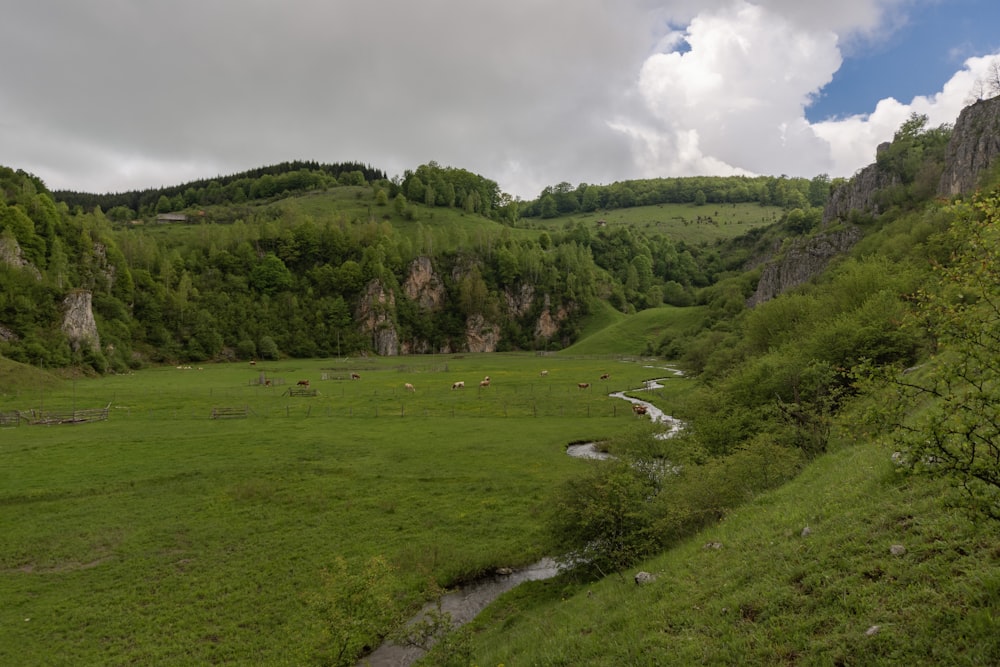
[771, 595]
[633, 334]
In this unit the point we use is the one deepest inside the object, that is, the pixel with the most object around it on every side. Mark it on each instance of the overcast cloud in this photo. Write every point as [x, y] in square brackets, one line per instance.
[112, 95]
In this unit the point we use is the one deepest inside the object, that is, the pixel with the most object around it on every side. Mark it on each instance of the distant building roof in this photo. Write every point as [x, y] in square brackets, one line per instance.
[171, 217]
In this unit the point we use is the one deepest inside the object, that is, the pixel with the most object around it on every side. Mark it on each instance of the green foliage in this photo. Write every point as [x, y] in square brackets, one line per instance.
[351, 609]
[945, 416]
[657, 493]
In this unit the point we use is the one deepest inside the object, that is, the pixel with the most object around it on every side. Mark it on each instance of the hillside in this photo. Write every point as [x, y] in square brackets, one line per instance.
[304, 260]
[831, 498]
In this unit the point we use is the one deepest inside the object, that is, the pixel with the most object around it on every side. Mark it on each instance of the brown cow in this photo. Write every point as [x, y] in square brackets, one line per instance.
[409, 387]
[584, 385]
[606, 376]
[639, 410]
[355, 376]
[303, 383]
[458, 385]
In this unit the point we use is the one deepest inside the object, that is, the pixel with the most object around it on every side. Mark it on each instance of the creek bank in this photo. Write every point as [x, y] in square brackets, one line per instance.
[462, 605]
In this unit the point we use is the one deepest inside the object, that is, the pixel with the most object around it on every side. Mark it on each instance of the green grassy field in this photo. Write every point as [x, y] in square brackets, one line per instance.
[681, 222]
[162, 536]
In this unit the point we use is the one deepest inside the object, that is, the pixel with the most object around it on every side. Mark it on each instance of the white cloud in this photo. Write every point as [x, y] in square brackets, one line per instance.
[106, 95]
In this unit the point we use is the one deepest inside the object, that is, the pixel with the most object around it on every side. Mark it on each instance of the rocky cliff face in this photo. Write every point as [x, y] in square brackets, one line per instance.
[78, 321]
[375, 316]
[11, 255]
[803, 259]
[974, 144]
[859, 193]
[424, 286]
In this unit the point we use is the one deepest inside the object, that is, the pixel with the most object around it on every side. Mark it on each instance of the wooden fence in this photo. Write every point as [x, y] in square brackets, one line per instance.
[39, 418]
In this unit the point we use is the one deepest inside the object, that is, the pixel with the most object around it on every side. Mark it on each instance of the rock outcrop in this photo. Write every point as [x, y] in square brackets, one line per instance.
[424, 286]
[78, 321]
[974, 144]
[803, 259]
[12, 255]
[481, 335]
[375, 317]
[548, 323]
[860, 193]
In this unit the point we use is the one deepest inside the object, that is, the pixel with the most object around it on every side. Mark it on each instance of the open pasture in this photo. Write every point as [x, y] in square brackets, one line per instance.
[165, 536]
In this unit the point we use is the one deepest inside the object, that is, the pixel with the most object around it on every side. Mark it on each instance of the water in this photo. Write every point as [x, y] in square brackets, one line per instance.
[465, 603]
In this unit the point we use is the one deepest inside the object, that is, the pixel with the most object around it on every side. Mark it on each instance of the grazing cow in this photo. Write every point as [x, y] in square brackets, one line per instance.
[253, 363]
[267, 383]
[303, 383]
[544, 373]
[584, 385]
[639, 410]
[409, 387]
[485, 383]
[458, 385]
[606, 376]
[355, 376]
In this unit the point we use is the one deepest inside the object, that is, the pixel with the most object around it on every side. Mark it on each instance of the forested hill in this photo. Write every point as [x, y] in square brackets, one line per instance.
[303, 259]
[309, 260]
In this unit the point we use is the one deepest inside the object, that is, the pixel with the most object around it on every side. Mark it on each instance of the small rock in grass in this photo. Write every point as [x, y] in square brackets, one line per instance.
[897, 550]
[643, 578]
[806, 532]
[874, 630]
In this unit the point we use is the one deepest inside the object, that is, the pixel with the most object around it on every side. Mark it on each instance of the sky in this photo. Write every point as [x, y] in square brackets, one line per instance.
[115, 95]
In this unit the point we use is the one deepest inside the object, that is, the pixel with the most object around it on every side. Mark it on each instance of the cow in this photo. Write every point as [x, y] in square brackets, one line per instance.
[303, 383]
[409, 387]
[606, 376]
[355, 376]
[485, 383]
[253, 363]
[544, 373]
[267, 383]
[584, 385]
[458, 385]
[639, 410]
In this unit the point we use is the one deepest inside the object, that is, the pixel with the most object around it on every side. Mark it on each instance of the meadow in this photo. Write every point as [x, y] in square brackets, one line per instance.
[165, 536]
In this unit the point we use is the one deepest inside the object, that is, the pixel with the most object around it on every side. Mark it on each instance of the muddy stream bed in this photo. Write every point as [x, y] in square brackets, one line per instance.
[465, 603]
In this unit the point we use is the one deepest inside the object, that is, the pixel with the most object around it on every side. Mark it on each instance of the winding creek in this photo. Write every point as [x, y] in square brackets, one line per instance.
[466, 602]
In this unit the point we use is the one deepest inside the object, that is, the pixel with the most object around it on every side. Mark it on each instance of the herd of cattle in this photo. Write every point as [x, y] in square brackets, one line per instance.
[460, 384]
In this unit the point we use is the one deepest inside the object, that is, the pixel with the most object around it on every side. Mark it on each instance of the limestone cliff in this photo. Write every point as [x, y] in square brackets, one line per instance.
[11, 254]
[375, 317]
[800, 261]
[424, 286]
[78, 321]
[974, 144]
[860, 193]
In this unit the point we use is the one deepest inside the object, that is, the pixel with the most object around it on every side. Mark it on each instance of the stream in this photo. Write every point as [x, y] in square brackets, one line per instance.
[466, 602]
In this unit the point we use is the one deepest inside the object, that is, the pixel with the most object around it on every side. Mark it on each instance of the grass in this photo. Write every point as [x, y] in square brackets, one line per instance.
[162, 536]
[638, 333]
[689, 223]
[774, 596]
